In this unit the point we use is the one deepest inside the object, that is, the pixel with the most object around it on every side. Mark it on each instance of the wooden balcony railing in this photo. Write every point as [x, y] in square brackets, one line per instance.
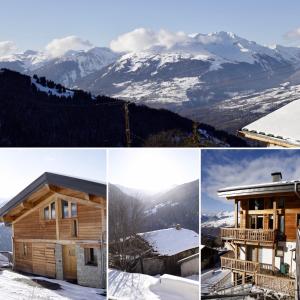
[253, 235]
[239, 265]
[276, 283]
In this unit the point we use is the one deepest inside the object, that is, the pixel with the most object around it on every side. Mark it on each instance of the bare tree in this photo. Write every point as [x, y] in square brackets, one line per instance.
[126, 217]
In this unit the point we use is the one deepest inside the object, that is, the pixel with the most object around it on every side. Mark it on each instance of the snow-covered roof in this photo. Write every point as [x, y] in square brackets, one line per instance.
[261, 188]
[171, 241]
[282, 124]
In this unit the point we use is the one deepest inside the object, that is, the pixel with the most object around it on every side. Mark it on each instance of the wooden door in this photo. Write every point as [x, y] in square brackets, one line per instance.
[69, 262]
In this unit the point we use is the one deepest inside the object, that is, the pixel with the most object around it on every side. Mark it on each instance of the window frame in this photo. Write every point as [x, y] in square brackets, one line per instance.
[49, 208]
[88, 255]
[69, 209]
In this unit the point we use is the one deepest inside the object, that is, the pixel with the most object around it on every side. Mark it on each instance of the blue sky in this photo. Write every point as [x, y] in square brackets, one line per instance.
[33, 24]
[224, 168]
[153, 169]
[19, 167]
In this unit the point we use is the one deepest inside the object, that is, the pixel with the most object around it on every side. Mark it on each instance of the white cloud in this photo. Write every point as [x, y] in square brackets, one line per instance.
[293, 34]
[243, 172]
[143, 39]
[7, 47]
[60, 46]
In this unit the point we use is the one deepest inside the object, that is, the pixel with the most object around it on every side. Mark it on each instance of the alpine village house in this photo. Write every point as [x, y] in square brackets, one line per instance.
[59, 229]
[263, 243]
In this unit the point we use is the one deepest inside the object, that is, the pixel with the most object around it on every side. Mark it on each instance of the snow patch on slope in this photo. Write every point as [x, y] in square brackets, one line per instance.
[52, 91]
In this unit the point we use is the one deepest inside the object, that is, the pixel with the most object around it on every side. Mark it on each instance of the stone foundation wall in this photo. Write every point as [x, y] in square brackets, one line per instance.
[59, 262]
[92, 276]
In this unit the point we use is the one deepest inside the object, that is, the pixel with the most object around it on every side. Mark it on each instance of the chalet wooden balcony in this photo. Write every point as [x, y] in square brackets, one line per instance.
[262, 274]
[251, 235]
[239, 265]
[276, 283]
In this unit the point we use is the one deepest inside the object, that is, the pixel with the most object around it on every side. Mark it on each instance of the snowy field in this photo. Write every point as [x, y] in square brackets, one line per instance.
[135, 286]
[14, 286]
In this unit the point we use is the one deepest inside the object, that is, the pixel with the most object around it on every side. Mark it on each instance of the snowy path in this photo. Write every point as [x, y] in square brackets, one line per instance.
[135, 286]
[14, 286]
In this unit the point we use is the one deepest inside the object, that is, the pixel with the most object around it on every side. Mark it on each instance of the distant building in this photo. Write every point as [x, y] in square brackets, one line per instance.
[189, 266]
[263, 240]
[59, 229]
[161, 250]
[277, 129]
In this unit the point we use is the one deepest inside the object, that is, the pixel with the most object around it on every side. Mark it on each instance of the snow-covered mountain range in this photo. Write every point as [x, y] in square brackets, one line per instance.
[203, 76]
[220, 219]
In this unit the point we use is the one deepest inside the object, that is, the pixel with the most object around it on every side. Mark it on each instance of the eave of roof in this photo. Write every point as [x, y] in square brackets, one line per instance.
[279, 125]
[260, 189]
[86, 186]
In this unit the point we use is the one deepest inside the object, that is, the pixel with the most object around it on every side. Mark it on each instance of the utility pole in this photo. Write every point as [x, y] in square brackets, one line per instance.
[127, 128]
[196, 139]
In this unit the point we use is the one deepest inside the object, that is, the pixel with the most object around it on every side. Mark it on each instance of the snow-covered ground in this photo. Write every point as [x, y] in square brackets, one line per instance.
[135, 286]
[212, 277]
[14, 286]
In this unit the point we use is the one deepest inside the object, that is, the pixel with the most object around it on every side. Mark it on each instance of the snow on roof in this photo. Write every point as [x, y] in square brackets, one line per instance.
[281, 124]
[249, 186]
[171, 241]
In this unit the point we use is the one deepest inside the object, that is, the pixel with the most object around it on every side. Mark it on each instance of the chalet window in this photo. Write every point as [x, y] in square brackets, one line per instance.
[298, 220]
[281, 203]
[73, 210]
[69, 209]
[49, 211]
[74, 228]
[24, 250]
[53, 213]
[281, 224]
[46, 213]
[90, 256]
[271, 222]
[256, 204]
[65, 209]
[279, 252]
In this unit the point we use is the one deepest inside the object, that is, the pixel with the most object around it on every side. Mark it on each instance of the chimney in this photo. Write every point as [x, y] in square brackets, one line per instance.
[178, 227]
[276, 176]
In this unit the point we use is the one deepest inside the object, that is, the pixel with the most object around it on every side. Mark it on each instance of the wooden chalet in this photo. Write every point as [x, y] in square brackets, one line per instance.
[263, 240]
[59, 229]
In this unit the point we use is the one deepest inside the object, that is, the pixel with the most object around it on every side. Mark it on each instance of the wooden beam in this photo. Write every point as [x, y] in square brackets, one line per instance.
[42, 203]
[236, 213]
[81, 201]
[57, 216]
[63, 242]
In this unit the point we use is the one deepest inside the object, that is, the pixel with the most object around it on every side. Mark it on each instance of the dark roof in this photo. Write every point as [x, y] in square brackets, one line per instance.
[263, 188]
[86, 186]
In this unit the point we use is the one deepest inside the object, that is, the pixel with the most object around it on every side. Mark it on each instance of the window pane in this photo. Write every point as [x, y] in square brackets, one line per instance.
[53, 215]
[74, 228]
[64, 209]
[73, 209]
[46, 213]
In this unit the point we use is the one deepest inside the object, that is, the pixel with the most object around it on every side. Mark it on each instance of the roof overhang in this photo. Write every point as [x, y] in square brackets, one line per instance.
[268, 139]
[49, 184]
[261, 189]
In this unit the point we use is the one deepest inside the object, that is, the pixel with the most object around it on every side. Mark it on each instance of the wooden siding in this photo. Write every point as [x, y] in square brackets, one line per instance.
[40, 258]
[23, 262]
[90, 223]
[43, 259]
[34, 227]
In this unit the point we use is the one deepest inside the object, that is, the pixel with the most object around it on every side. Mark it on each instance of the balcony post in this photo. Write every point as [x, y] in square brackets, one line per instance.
[236, 213]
